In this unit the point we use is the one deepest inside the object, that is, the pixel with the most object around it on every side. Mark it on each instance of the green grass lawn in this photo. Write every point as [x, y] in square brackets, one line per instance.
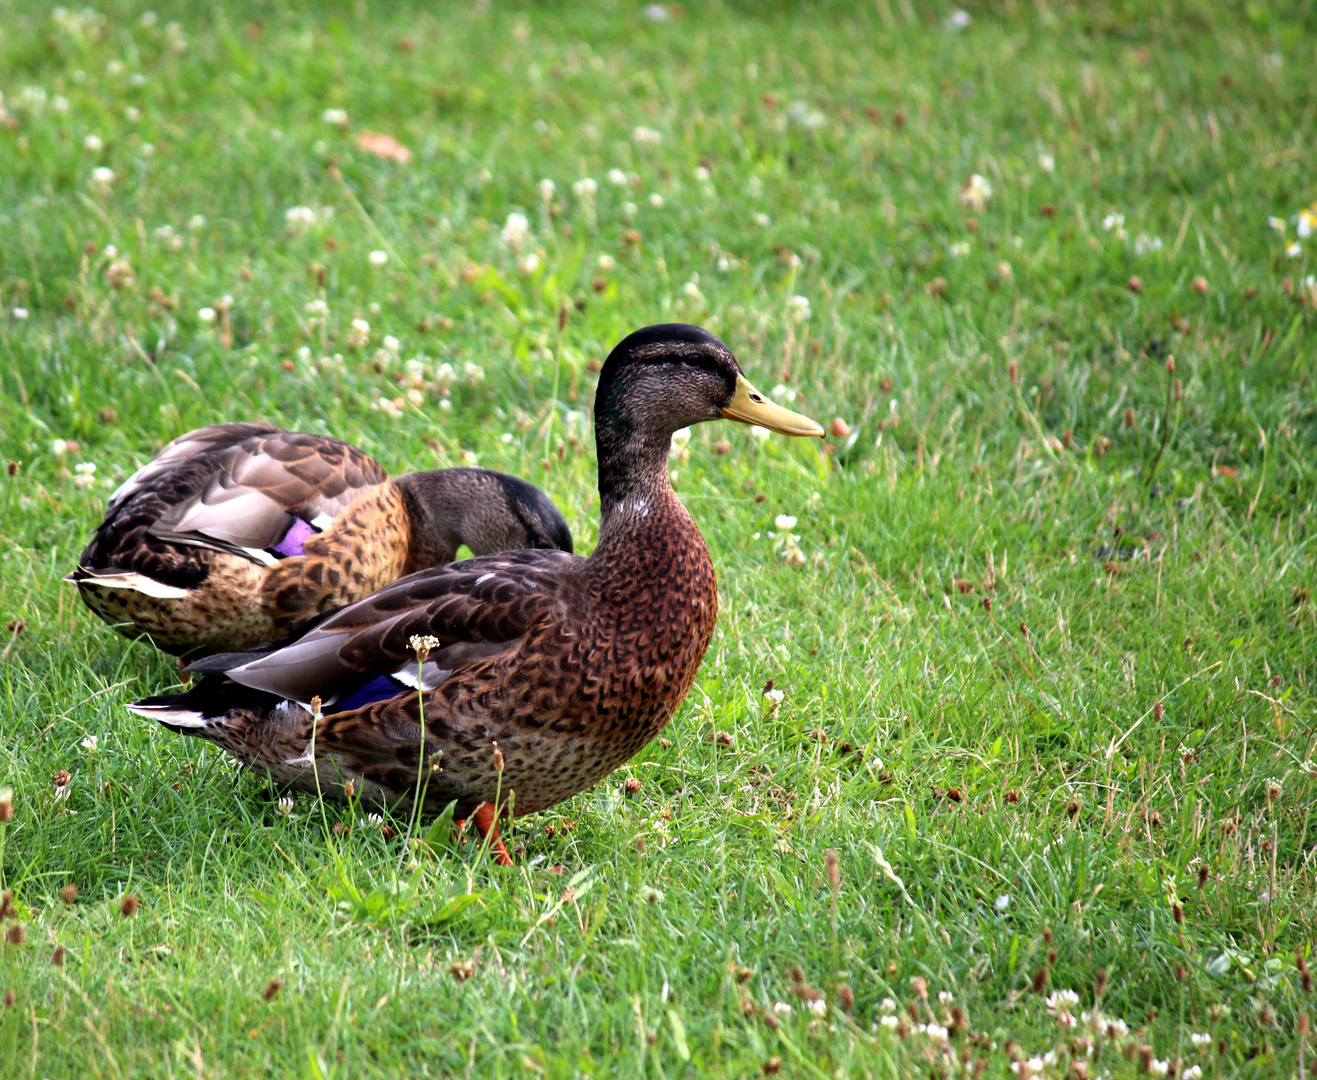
[1044, 622]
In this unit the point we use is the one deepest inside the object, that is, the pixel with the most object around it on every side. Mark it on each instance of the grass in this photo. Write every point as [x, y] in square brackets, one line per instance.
[1047, 648]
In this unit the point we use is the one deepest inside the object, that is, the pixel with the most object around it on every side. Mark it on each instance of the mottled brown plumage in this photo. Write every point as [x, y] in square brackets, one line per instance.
[539, 672]
[234, 534]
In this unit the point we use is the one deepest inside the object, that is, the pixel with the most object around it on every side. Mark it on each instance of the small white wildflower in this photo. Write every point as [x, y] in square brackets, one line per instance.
[335, 117]
[651, 895]
[529, 263]
[1113, 221]
[1145, 244]
[472, 373]
[1063, 1001]
[936, 1032]
[606, 263]
[887, 1006]
[86, 474]
[132, 114]
[945, 997]
[1294, 250]
[196, 222]
[300, 217]
[317, 309]
[1193, 1072]
[392, 343]
[1305, 224]
[358, 333]
[785, 522]
[1201, 1038]
[656, 200]
[19, 313]
[91, 742]
[629, 209]
[691, 290]
[647, 136]
[891, 1023]
[285, 806]
[1117, 1029]
[59, 447]
[782, 392]
[546, 188]
[760, 433]
[515, 230]
[1158, 1067]
[207, 315]
[680, 438]
[957, 20]
[1002, 902]
[702, 174]
[585, 187]
[618, 177]
[761, 219]
[1277, 223]
[975, 193]
[798, 306]
[101, 179]
[657, 12]
[1046, 162]
[93, 144]
[959, 249]
[782, 1008]
[378, 258]
[818, 1006]
[59, 103]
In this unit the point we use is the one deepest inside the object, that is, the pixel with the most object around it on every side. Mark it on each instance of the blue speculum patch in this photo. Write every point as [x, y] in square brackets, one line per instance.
[297, 535]
[380, 688]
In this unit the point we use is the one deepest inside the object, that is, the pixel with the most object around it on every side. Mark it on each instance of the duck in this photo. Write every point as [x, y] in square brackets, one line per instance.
[504, 684]
[234, 534]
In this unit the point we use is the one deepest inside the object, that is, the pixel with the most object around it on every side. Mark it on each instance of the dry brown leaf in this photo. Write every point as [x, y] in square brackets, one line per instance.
[386, 146]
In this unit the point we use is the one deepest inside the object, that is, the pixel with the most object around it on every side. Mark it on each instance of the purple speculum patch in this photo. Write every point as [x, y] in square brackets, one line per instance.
[297, 535]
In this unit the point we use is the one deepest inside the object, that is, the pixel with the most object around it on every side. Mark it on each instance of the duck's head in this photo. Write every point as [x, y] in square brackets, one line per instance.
[667, 377]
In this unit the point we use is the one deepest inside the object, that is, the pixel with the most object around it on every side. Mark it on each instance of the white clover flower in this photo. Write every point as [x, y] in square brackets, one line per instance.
[629, 209]
[782, 1008]
[546, 188]
[774, 698]
[515, 230]
[317, 309]
[59, 103]
[300, 218]
[90, 743]
[1063, 1001]
[1193, 1072]
[761, 219]
[760, 433]
[680, 438]
[975, 193]
[606, 263]
[799, 113]
[1113, 221]
[390, 407]
[891, 1023]
[93, 144]
[887, 1006]
[819, 1007]
[691, 290]
[782, 392]
[19, 313]
[1117, 1029]
[196, 222]
[285, 806]
[957, 20]
[86, 474]
[528, 264]
[959, 249]
[207, 315]
[392, 344]
[936, 1032]
[472, 373]
[785, 522]
[378, 258]
[701, 174]
[358, 333]
[1002, 902]
[59, 447]
[1145, 244]
[945, 997]
[645, 136]
[444, 375]
[1046, 162]
[1158, 1067]
[618, 177]
[132, 114]
[585, 187]
[335, 117]
[656, 200]
[102, 178]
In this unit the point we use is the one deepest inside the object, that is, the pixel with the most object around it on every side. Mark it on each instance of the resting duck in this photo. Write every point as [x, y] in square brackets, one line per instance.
[505, 683]
[234, 534]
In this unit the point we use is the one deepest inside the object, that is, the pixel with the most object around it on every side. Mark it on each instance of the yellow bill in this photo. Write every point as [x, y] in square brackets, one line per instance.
[751, 407]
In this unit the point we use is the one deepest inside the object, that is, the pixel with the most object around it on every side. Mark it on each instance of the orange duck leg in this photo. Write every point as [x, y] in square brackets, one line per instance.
[486, 823]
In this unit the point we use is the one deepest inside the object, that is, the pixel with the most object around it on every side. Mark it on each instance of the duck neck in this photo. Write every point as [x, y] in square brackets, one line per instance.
[635, 488]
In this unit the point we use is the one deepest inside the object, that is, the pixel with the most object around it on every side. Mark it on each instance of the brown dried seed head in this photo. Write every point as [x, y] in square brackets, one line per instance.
[61, 778]
[1099, 982]
[1012, 372]
[1203, 874]
[128, 905]
[1177, 912]
[1135, 284]
[272, 989]
[1158, 710]
[1199, 285]
[1012, 796]
[920, 987]
[15, 934]
[936, 287]
[498, 759]
[1302, 1024]
[834, 870]
[772, 1066]
[632, 785]
[987, 604]
[1128, 418]
[1072, 807]
[1101, 445]
[6, 903]
[1040, 980]
[1170, 365]
[846, 996]
[1047, 935]
[11, 999]
[12, 467]
[69, 893]
[350, 789]
[461, 970]
[57, 957]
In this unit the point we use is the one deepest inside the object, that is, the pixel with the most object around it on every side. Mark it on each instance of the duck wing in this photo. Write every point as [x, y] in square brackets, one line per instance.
[472, 609]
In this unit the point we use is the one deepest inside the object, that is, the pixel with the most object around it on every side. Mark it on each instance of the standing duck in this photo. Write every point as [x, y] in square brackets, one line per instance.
[505, 683]
[234, 534]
